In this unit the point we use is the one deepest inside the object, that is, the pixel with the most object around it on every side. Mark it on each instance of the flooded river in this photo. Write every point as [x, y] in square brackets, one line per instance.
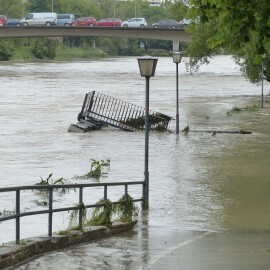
[197, 181]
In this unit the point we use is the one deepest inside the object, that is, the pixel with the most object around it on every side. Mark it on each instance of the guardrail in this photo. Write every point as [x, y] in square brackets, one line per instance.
[18, 215]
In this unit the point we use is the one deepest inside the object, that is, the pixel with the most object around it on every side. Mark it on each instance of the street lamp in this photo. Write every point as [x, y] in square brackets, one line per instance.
[114, 10]
[262, 83]
[177, 57]
[147, 67]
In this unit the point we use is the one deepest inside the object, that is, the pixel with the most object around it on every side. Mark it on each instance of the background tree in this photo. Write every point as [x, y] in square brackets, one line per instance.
[6, 50]
[240, 26]
[176, 10]
[38, 5]
[11, 8]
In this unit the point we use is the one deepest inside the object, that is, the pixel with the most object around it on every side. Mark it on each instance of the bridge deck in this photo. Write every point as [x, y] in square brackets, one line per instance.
[177, 35]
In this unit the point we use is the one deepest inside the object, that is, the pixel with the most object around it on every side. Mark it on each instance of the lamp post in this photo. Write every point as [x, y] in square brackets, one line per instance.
[114, 10]
[177, 57]
[262, 84]
[147, 67]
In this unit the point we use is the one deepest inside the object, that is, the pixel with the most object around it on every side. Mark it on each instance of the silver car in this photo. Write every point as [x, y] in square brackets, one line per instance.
[135, 22]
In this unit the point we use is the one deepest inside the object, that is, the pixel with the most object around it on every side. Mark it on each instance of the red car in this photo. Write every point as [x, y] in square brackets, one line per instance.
[83, 21]
[110, 22]
[3, 19]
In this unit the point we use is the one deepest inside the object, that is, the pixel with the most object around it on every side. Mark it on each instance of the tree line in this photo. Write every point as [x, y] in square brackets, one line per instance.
[98, 9]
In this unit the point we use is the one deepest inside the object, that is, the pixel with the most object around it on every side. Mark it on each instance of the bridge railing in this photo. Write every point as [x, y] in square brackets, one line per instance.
[50, 189]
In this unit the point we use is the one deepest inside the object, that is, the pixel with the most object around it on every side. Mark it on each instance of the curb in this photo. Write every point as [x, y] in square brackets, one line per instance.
[12, 253]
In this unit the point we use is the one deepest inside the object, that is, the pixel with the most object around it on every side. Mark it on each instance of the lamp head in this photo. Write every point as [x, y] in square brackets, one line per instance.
[177, 57]
[147, 65]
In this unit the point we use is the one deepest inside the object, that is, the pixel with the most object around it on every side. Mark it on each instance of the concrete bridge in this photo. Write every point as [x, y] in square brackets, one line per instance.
[175, 35]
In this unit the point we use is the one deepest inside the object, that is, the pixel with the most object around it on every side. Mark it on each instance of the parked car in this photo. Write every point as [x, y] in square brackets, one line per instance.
[64, 19]
[83, 21]
[135, 22]
[167, 23]
[110, 22]
[40, 18]
[13, 22]
[185, 23]
[3, 19]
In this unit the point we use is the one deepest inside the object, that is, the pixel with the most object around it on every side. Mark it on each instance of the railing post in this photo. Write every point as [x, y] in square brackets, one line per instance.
[50, 211]
[126, 190]
[17, 216]
[80, 210]
[105, 192]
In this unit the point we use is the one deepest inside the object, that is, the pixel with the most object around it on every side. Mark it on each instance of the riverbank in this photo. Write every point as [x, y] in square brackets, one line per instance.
[24, 53]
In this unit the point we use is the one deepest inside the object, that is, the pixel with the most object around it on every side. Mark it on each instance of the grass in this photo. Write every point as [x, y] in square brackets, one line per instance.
[25, 242]
[23, 53]
[66, 53]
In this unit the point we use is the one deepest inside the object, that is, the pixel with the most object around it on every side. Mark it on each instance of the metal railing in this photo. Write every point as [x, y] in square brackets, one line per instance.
[98, 107]
[50, 188]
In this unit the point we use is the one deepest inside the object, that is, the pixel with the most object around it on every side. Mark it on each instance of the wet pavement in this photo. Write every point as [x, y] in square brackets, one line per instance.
[158, 247]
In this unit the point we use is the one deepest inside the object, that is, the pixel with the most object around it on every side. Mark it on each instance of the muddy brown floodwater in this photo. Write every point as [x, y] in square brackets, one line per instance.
[198, 181]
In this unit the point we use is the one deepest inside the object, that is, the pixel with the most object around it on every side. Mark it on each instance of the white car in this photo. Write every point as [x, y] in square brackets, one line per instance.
[135, 22]
[40, 18]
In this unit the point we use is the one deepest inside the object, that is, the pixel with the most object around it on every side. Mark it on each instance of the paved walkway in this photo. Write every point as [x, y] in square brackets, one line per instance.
[210, 250]
[152, 247]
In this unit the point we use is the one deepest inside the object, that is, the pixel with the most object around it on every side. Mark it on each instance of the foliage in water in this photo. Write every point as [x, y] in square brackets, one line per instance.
[74, 216]
[6, 213]
[249, 108]
[157, 122]
[50, 181]
[102, 214]
[126, 209]
[96, 170]
[186, 130]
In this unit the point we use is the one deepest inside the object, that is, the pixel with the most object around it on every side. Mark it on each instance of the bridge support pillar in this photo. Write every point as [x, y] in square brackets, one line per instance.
[175, 46]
